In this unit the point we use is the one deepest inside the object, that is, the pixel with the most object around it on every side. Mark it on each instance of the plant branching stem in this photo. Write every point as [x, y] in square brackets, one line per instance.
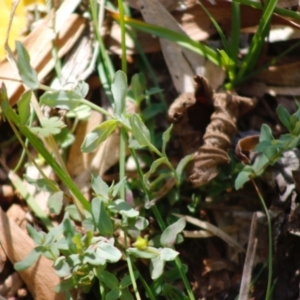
[162, 226]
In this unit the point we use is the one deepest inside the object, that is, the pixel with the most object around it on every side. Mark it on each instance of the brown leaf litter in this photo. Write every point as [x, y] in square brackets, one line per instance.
[215, 115]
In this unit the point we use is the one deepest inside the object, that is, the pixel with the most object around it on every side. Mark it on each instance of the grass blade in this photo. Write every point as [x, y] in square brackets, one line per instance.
[258, 40]
[178, 38]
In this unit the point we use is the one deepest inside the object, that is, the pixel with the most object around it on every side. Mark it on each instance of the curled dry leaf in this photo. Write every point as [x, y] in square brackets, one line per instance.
[216, 115]
[245, 147]
[217, 264]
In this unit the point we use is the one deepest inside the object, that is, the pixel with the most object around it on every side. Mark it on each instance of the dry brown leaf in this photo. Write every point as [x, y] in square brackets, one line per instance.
[245, 146]
[217, 264]
[168, 4]
[283, 75]
[78, 161]
[198, 26]
[154, 13]
[40, 277]
[191, 112]
[17, 214]
[39, 46]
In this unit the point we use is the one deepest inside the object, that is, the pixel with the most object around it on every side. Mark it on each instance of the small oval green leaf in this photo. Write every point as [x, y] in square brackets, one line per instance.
[168, 237]
[98, 135]
[27, 73]
[101, 218]
[119, 91]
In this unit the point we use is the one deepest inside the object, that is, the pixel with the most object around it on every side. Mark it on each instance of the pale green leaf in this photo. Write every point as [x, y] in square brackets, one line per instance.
[182, 164]
[81, 112]
[119, 91]
[55, 202]
[89, 257]
[27, 73]
[265, 133]
[139, 130]
[82, 88]
[108, 252]
[168, 237]
[61, 99]
[101, 217]
[61, 267]
[138, 86]
[242, 178]
[126, 281]
[48, 127]
[99, 186]
[123, 208]
[284, 117]
[29, 260]
[148, 253]
[154, 166]
[156, 267]
[109, 279]
[168, 254]
[24, 107]
[166, 137]
[98, 135]
[44, 184]
[38, 236]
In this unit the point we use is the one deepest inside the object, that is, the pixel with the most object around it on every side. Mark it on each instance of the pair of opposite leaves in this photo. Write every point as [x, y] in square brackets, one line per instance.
[215, 115]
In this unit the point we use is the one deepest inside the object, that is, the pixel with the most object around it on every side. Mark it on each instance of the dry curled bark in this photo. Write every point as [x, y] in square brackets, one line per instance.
[216, 115]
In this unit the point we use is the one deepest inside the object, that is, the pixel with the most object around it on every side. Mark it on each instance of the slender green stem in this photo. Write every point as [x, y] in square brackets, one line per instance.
[270, 236]
[129, 262]
[280, 11]
[235, 32]
[123, 32]
[133, 281]
[123, 138]
[273, 61]
[145, 284]
[122, 156]
[162, 226]
[97, 108]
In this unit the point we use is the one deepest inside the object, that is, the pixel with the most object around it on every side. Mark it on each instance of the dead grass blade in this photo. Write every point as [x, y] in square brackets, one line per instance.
[248, 265]
[214, 230]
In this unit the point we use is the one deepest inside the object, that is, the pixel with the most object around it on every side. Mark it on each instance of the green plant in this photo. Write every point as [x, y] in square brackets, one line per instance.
[270, 149]
[81, 258]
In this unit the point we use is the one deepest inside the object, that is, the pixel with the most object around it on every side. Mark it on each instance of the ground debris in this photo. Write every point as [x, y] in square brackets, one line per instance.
[205, 123]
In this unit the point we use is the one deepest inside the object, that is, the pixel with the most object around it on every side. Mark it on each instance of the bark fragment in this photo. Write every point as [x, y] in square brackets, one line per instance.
[215, 115]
